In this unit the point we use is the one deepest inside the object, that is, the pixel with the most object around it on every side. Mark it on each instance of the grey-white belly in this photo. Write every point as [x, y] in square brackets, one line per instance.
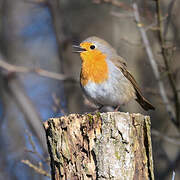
[117, 90]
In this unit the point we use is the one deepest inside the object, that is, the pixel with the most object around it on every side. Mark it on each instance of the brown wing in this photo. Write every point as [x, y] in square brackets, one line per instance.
[121, 64]
[119, 61]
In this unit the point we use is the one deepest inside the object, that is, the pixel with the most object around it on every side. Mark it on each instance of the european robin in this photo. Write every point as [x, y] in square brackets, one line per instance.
[104, 77]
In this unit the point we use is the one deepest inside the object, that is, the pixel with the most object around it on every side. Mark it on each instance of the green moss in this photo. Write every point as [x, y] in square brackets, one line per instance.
[117, 155]
[85, 168]
[90, 118]
[98, 114]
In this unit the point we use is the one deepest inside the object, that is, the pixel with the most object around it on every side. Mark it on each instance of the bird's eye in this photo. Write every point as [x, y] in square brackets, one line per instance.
[92, 47]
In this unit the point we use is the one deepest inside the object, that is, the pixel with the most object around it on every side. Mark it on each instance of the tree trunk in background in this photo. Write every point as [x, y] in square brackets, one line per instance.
[103, 146]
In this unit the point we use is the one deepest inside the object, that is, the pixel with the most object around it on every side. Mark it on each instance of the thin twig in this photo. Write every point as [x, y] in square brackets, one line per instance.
[169, 16]
[39, 169]
[116, 3]
[173, 175]
[153, 26]
[154, 65]
[121, 15]
[30, 140]
[34, 151]
[166, 59]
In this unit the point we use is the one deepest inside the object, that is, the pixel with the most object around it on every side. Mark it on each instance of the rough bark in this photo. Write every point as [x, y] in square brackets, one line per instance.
[102, 146]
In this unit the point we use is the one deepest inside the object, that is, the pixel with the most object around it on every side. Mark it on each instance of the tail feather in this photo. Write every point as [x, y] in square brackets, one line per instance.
[145, 104]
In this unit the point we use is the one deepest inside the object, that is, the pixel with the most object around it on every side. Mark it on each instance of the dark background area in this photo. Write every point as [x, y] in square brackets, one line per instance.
[37, 35]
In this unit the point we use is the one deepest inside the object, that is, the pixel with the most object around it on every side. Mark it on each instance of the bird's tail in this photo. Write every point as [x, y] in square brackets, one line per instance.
[145, 104]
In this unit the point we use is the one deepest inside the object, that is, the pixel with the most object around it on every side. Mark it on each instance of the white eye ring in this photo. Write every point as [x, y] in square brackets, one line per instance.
[92, 46]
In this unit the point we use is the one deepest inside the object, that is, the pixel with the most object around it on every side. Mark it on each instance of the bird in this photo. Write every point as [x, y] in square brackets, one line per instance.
[104, 77]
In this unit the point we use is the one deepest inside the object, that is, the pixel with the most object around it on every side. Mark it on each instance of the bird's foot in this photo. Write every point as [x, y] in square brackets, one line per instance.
[98, 109]
[116, 109]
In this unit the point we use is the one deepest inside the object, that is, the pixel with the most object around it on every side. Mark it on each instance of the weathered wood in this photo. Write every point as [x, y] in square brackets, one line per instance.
[104, 146]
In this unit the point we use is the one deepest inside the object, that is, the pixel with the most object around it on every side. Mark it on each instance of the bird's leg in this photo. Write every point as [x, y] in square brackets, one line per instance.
[99, 108]
[116, 108]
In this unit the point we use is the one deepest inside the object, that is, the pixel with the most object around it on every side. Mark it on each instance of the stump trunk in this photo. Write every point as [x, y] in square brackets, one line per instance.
[103, 146]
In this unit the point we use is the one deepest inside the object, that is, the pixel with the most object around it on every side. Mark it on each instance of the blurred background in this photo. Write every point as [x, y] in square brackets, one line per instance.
[39, 74]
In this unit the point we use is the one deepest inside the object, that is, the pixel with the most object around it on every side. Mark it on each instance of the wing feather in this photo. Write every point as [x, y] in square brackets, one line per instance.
[121, 64]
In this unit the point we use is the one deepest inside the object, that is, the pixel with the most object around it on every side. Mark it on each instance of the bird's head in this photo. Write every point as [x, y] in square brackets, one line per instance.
[94, 48]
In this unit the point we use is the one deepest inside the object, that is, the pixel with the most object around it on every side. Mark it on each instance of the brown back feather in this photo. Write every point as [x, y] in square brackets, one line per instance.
[121, 64]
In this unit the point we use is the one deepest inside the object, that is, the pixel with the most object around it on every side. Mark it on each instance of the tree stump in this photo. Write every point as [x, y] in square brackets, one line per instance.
[111, 145]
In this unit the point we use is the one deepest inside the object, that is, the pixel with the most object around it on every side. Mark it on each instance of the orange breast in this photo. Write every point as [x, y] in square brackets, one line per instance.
[94, 67]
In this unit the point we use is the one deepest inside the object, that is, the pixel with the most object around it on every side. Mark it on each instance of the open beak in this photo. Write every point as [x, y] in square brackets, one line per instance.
[78, 49]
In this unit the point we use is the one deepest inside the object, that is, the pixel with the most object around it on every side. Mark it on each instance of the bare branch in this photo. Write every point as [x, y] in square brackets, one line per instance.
[170, 7]
[39, 169]
[60, 26]
[154, 26]
[154, 65]
[32, 117]
[116, 3]
[166, 58]
[16, 90]
[21, 69]
[121, 15]
[34, 151]
[30, 140]
[53, 75]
